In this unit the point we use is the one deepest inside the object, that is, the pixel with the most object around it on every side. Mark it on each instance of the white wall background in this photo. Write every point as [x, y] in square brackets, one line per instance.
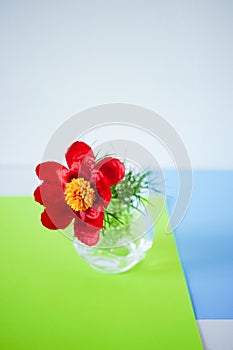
[172, 56]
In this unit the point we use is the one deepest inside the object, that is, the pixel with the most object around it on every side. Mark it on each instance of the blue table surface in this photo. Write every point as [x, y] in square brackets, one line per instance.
[205, 242]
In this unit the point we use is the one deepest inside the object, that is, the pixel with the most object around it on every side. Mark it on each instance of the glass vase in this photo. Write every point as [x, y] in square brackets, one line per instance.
[120, 247]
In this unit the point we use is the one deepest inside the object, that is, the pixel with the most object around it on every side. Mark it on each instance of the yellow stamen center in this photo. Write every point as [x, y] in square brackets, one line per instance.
[79, 195]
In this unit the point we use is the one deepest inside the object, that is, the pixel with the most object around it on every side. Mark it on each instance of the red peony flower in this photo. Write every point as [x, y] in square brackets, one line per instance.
[80, 192]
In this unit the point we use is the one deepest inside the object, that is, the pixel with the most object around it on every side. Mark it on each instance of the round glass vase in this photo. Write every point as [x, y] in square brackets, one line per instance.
[122, 246]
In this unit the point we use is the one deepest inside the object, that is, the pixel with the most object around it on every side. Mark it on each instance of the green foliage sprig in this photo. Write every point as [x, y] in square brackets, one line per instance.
[127, 195]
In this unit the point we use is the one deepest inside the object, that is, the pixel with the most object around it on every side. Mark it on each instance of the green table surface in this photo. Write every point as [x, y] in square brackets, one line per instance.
[51, 299]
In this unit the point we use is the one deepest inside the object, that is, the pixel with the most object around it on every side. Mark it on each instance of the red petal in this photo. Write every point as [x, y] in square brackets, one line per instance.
[102, 186]
[57, 214]
[51, 172]
[49, 194]
[85, 233]
[93, 216]
[80, 159]
[37, 195]
[57, 217]
[113, 169]
[45, 219]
